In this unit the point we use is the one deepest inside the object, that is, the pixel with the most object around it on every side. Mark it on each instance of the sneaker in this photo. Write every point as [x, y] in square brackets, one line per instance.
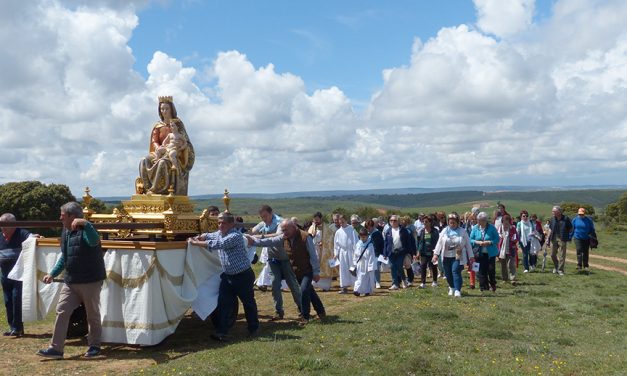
[526, 271]
[422, 285]
[586, 269]
[343, 290]
[92, 351]
[532, 269]
[554, 271]
[393, 287]
[277, 316]
[13, 333]
[434, 284]
[458, 294]
[560, 272]
[450, 291]
[50, 353]
[377, 285]
[355, 293]
[408, 284]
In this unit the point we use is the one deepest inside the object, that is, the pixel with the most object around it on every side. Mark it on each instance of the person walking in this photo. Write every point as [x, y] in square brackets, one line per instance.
[484, 237]
[583, 230]
[507, 248]
[427, 239]
[454, 246]
[83, 263]
[10, 249]
[560, 228]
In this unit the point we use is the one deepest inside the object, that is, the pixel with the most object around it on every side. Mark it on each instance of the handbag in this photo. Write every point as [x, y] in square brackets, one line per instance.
[594, 242]
[407, 262]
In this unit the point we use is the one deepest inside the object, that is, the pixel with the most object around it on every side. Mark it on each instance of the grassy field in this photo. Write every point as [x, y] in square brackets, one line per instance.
[546, 325]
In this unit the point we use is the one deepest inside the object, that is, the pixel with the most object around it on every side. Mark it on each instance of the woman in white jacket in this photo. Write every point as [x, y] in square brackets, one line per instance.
[454, 245]
[365, 264]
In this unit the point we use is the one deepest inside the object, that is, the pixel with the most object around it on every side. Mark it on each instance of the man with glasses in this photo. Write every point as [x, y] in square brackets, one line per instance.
[237, 278]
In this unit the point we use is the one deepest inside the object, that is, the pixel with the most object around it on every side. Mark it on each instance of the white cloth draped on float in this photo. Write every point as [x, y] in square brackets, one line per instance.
[145, 295]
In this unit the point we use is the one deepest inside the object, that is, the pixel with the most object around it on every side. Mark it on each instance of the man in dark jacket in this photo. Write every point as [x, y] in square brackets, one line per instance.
[82, 260]
[559, 236]
[10, 249]
[397, 243]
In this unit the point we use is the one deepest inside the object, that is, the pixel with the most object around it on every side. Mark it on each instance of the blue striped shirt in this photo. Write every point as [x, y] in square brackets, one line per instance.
[231, 248]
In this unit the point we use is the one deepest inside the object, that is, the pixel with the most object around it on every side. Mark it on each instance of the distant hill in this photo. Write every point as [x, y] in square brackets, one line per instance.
[395, 191]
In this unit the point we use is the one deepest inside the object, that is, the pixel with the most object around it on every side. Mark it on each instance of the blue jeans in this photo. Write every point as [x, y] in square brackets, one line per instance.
[453, 271]
[282, 269]
[233, 286]
[396, 266]
[525, 252]
[309, 297]
[12, 291]
[377, 272]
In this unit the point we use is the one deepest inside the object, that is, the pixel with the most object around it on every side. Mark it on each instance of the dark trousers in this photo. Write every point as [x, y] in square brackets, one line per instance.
[526, 256]
[487, 271]
[233, 286]
[12, 291]
[410, 273]
[396, 268]
[424, 262]
[583, 252]
[309, 297]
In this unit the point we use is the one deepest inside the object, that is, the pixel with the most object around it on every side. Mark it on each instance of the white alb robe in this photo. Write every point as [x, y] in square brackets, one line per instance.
[344, 247]
[365, 282]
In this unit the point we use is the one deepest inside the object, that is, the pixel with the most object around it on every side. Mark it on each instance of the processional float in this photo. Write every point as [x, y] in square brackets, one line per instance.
[153, 275]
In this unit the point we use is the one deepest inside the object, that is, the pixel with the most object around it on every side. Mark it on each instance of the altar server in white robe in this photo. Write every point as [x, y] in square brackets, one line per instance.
[344, 247]
[365, 264]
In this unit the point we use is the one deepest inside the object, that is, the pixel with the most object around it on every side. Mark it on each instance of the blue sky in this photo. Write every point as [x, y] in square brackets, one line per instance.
[283, 96]
[327, 43]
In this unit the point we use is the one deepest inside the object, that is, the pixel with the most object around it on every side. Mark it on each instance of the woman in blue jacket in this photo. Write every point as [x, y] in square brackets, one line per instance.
[484, 237]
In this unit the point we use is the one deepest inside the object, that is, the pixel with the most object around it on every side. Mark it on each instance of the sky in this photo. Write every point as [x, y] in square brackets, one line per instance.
[282, 96]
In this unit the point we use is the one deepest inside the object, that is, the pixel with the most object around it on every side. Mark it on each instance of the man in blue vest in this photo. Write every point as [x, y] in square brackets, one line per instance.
[82, 260]
[10, 249]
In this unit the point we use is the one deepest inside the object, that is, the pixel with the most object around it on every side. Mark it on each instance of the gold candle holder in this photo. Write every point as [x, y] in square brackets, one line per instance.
[226, 199]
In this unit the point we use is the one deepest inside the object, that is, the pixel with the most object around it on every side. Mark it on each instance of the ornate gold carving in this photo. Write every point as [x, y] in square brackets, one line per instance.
[139, 186]
[86, 200]
[165, 99]
[226, 199]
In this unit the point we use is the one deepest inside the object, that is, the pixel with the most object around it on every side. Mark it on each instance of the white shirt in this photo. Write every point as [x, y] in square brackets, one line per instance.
[396, 238]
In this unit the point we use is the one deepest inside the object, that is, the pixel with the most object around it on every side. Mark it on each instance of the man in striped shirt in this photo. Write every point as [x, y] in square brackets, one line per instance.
[237, 278]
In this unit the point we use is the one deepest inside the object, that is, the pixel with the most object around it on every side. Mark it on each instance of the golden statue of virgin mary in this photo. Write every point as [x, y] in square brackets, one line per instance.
[168, 162]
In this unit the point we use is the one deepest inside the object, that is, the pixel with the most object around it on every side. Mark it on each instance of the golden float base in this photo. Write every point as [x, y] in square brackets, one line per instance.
[175, 213]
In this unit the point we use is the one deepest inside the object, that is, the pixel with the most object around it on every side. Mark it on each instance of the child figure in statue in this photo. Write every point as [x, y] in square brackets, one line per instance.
[174, 143]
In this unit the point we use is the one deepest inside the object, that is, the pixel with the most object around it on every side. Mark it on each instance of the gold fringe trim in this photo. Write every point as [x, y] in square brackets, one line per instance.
[137, 282]
[142, 325]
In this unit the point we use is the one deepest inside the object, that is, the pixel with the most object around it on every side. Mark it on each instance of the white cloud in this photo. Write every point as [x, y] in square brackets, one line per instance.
[508, 103]
[504, 18]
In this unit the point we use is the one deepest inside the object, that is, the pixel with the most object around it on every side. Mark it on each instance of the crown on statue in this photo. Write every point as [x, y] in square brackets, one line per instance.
[165, 99]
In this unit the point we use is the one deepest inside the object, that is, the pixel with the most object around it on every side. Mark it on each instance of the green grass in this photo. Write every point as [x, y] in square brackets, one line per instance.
[546, 325]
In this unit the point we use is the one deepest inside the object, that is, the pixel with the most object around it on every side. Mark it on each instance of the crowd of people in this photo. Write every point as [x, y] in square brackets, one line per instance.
[305, 258]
